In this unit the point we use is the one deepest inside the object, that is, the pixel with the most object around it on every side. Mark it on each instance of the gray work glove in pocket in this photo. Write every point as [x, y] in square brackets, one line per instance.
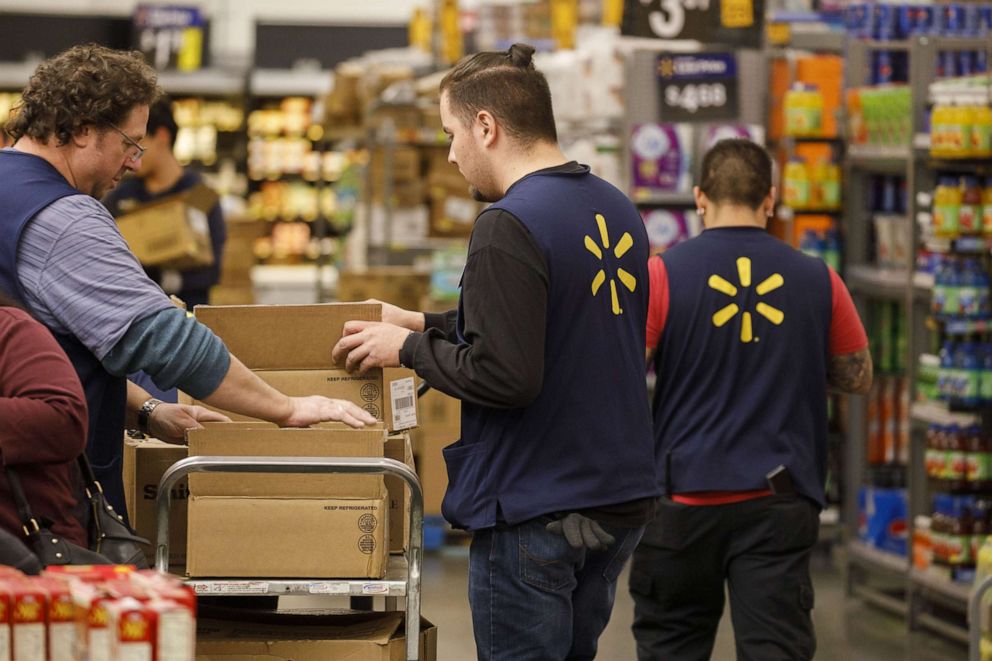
[581, 532]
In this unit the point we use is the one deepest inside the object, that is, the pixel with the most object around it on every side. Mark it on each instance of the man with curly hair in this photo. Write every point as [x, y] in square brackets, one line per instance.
[77, 133]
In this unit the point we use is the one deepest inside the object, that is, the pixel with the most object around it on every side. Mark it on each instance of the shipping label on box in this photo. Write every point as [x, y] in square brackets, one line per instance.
[263, 439]
[288, 537]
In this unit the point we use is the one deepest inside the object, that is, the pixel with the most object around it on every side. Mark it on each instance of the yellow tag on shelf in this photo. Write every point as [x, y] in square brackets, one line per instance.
[779, 34]
[564, 20]
[190, 55]
[736, 13]
[612, 12]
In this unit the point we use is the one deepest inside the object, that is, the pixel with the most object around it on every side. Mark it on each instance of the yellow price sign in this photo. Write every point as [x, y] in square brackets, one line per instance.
[736, 13]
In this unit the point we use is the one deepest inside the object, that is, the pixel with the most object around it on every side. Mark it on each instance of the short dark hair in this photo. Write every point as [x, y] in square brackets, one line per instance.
[737, 171]
[160, 115]
[87, 85]
[509, 86]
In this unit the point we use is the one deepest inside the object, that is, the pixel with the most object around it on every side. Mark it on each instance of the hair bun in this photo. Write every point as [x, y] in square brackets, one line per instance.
[521, 55]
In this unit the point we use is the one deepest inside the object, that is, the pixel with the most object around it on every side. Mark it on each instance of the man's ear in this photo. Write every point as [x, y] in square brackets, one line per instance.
[486, 126]
[84, 136]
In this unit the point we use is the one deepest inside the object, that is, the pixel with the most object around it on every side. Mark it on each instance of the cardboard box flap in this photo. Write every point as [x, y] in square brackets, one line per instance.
[284, 336]
[378, 629]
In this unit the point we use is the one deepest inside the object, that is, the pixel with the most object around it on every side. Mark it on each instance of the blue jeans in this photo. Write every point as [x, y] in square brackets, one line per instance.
[535, 598]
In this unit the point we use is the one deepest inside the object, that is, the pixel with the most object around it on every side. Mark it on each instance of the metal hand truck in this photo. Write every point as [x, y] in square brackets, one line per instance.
[402, 576]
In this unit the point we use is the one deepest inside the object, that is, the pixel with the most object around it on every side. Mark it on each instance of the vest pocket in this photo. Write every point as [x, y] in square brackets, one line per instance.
[465, 464]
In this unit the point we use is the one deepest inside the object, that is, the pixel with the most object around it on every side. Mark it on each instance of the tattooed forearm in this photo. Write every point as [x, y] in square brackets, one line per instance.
[851, 372]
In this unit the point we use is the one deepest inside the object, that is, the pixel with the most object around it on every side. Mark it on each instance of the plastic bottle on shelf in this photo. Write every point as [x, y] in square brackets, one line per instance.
[984, 294]
[968, 295]
[987, 207]
[959, 138]
[952, 288]
[945, 374]
[971, 371]
[796, 185]
[938, 299]
[811, 244]
[981, 131]
[985, 384]
[970, 211]
[979, 466]
[931, 461]
[827, 180]
[941, 118]
[832, 249]
[947, 208]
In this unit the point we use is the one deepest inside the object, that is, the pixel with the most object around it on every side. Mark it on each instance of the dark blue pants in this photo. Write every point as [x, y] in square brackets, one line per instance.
[689, 555]
[535, 598]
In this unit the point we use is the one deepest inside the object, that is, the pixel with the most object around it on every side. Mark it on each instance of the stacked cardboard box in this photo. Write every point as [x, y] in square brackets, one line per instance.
[315, 525]
[359, 637]
[289, 347]
[399, 285]
[237, 262]
[145, 461]
[453, 211]
[172, 232]
[440, 425]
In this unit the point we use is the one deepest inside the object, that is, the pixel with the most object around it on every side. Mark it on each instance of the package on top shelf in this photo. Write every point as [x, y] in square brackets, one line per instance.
[669, 227]
[661, 157]
[890, 21]
[960, 128]
[879, 115]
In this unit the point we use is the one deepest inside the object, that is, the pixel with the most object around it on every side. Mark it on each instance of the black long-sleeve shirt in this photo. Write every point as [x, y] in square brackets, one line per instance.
[504, 305]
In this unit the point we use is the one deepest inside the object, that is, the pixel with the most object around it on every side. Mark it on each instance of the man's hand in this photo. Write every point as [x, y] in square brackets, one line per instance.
[397, 316]
[169, 422]
[581, 532]
[368, 344]
[307, 411]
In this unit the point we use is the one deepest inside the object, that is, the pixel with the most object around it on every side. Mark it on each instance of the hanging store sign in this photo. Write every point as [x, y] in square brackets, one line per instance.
[169, 37]
[698, 88]
[725, 22]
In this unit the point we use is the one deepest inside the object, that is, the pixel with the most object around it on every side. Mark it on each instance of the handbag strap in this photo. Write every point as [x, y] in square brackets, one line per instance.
[29, 524]
[89, 478]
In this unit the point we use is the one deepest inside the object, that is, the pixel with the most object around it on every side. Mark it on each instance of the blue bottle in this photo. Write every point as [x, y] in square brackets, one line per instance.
[945, 374]
[811, 244]
[968, 289]
[983, 282]
[970, 366]
[890, 194]
[938, 301]
[832, 249]
[952, 286]
[985, 386]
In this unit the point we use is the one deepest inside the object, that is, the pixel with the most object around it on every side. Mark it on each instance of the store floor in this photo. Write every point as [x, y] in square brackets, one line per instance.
[846, 628]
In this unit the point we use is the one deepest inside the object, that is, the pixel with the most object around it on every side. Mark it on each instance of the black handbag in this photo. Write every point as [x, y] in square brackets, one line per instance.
[51, 549]
[109, 535]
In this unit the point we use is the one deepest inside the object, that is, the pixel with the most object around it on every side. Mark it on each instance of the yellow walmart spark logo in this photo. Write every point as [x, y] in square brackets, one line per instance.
[728, 312]
[623, 245]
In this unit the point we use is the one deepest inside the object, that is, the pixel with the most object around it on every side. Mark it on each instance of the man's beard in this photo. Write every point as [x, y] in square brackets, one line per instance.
[480, 196]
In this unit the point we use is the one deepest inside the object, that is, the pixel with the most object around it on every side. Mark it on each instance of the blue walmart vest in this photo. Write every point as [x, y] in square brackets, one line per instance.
[586, 440]
[28, 184]
[742, 364]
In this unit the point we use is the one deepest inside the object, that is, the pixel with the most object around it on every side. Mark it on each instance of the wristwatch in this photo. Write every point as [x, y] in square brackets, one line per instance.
[145, 412]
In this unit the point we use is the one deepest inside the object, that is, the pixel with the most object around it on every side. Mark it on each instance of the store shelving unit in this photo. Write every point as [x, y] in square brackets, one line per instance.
[930, 600]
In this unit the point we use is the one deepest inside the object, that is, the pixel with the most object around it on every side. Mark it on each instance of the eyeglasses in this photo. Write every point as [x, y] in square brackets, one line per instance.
[135, 151]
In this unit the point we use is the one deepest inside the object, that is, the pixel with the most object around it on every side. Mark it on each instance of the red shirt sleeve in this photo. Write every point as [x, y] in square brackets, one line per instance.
[847, 333]
[42, 407]
[658, 300]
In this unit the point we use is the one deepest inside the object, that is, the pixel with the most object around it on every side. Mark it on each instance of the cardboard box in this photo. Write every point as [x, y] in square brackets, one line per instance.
[430, 465]
[288, 537]
[404, 165]
[399, 447]
[289, 346]
[452, 214]
[145, 461]
[435, 410]
[362, 389]
[172, 232]
[263, 439]
[374, 636]
[400, 285]
[284, 337]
